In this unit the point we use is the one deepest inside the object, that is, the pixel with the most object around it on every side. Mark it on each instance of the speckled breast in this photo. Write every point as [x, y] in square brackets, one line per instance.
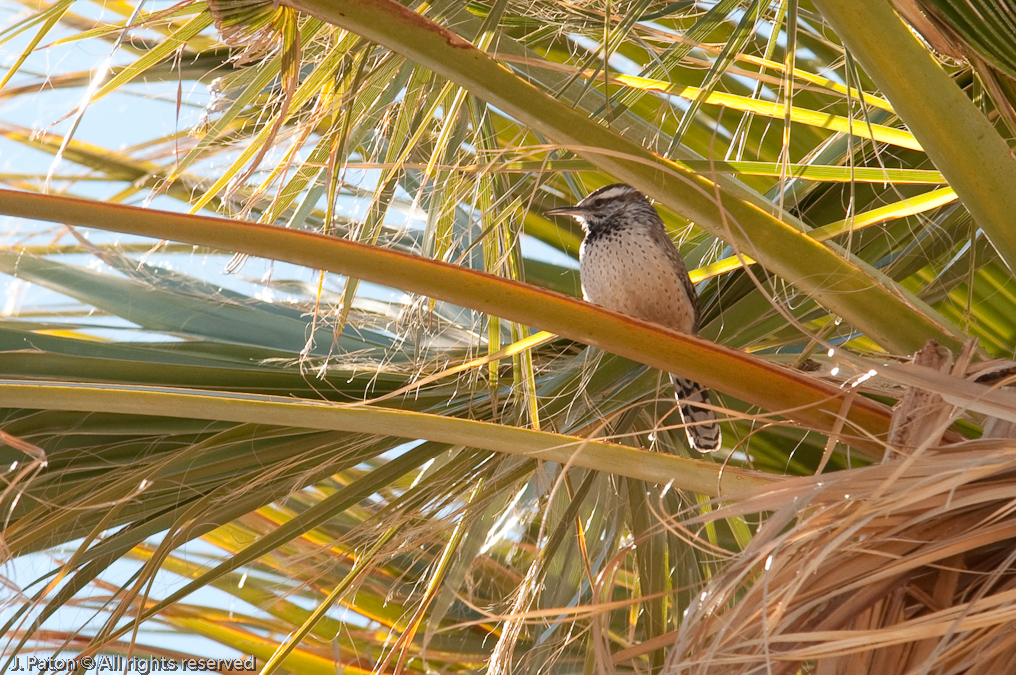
[629, 271]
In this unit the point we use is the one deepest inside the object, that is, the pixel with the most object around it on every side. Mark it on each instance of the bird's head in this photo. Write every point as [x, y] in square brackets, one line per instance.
[609, 207]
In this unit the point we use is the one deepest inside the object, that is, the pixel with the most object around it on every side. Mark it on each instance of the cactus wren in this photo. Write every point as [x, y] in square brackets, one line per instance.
[627, 263]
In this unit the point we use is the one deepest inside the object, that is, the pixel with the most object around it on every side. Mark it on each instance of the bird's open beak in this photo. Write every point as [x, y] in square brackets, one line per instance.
[566, 211]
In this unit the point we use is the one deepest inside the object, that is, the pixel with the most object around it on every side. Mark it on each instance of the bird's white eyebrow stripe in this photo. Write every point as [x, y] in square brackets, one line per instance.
[612, 192]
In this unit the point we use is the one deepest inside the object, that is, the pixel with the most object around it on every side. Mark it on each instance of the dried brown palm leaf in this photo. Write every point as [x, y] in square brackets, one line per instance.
[921, 416]
[906, 567]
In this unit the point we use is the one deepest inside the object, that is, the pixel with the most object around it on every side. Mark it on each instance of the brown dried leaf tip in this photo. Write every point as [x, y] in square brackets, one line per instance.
[920, 414]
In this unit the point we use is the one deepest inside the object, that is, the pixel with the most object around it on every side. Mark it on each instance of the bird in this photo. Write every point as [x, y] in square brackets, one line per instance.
[628, 264]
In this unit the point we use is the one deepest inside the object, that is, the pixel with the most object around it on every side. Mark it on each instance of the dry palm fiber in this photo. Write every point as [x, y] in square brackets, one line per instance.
[905, 567]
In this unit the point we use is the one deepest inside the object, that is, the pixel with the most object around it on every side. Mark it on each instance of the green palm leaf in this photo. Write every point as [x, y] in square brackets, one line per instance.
[376, 439]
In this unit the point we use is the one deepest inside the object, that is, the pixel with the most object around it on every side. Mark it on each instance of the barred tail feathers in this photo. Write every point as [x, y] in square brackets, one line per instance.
[701, 427]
